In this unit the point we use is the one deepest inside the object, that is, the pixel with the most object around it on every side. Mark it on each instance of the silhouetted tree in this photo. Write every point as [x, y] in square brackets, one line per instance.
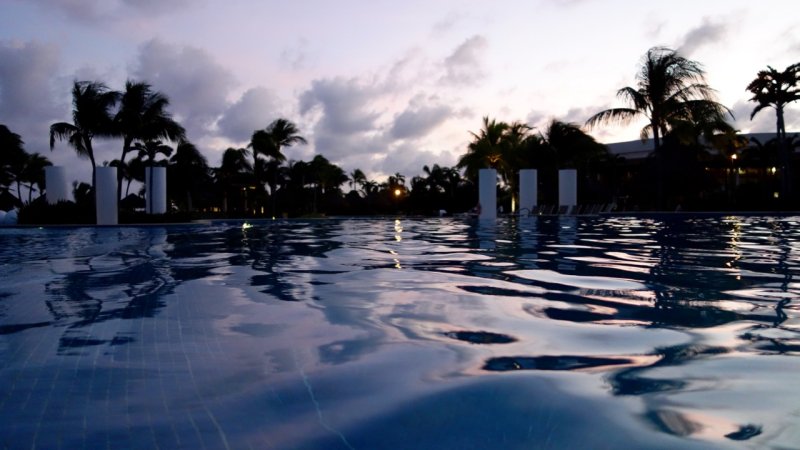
[143, 117]
[669, 89]
[91, 117]
[357, 179]
[775, 89]
[189, 172]
[487, 149]
[269, 141]
[12, 159]
[233, 174]
[31, 174]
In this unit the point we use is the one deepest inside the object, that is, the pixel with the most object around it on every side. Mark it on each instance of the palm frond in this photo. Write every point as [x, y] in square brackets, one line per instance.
[620, 116]
[62, 131]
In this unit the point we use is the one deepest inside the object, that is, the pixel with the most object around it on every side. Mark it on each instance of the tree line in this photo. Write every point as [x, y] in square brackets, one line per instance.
[693, 143]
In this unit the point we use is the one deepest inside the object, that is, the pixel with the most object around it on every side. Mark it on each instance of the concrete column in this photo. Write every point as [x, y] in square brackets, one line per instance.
[567, 187]
[56, 186]
[487, 193]
[528, 190]
[156, 190]
[106, 195]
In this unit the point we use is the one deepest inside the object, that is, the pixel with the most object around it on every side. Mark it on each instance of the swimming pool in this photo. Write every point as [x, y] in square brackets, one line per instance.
[412, 333]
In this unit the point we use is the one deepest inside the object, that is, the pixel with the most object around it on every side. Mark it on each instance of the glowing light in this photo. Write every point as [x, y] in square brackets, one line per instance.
[772, 170]
[246, 226]
[734, 156]
[397, 192]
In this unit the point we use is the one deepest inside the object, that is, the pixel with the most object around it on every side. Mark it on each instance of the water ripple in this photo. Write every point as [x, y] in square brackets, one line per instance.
[677, 326]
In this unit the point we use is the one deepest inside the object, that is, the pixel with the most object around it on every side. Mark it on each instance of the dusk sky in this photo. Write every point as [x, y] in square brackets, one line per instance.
[382, 86]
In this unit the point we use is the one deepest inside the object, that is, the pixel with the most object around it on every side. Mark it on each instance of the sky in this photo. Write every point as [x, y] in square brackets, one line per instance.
[384, 86]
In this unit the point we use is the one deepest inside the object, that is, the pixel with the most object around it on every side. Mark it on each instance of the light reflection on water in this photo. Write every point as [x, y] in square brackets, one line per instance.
[436, 333]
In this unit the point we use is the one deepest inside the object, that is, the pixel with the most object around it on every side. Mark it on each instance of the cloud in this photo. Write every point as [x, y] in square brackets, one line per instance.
[29, 100]
[579, 116]
[537, 119]
[26, 91]
[197, 86]
[763, 122]
[344, 104]
[465, 65]
[160, 6]
[706, 33]
[408, 160]
[347, 112]
[102, 11]
[417, 121]
[386, 117]
[448, 23]
[254, 110]
[296, 56]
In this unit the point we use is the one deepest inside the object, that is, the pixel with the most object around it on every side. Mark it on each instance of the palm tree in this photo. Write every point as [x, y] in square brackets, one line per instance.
[233, 172]
[328, 176]
[398, 179]
[357, 178]
[371, 187]
[32, 174]
[487, 149]
[499, 146]
[572, 146]
[268, 142]
[514, 142]
[775, 89]
[190, 170]
[669, 89]
[132, 170]
[92, 102]
[148, 152]
[12, 156]
[142, 117]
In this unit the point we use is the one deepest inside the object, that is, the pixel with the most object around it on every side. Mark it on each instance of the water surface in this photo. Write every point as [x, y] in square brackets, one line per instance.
[381, 333]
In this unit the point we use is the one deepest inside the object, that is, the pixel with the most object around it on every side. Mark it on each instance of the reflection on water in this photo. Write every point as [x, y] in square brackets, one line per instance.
[367, 333]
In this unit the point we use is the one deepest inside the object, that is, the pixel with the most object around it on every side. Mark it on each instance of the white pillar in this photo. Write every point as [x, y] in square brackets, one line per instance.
[106, 195]
[55, 183]
[567, 187]
[487, 193]
[156, 190]
[528, 190]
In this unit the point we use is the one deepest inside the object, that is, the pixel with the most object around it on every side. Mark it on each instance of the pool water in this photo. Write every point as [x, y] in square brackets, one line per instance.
[568, 332]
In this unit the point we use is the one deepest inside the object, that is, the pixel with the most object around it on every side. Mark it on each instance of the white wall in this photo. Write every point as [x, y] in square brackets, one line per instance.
[487, 193]
[156, 190]
[568, 187]
[106, 195]
[56, 185]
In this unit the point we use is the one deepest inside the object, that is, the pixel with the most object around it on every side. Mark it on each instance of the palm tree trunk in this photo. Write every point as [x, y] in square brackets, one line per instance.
[660, 166]
[786, 163]
[189, 200]
[90, 152]
[19, 191]
[149, 191]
